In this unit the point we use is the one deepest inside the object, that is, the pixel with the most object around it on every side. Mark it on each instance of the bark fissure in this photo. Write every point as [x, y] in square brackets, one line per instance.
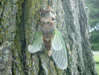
[20, 39]
[2, 29]
[40, 66]
[23, 51]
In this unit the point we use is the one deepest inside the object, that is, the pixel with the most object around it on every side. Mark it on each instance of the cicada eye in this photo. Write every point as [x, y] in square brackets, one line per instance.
[53, 18]
[49, 23]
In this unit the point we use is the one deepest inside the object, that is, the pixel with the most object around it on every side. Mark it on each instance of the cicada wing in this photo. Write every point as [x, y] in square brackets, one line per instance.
[60, 56]
[37, 42]
[56, 42]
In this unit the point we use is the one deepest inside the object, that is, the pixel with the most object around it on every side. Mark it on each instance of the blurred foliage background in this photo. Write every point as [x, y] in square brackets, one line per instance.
[93, 6]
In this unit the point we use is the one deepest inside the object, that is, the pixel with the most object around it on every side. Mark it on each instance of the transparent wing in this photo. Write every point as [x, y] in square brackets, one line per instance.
[37, 42]
[60, 56]
[56, 42]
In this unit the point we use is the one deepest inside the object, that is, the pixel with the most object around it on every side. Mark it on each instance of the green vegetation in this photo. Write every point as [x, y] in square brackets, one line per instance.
[97, 62]
[95, 40]
[97, 65]
[96, 58]
[93, 6]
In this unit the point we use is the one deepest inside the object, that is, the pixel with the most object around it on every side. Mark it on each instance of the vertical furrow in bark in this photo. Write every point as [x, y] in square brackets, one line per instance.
[20, 44]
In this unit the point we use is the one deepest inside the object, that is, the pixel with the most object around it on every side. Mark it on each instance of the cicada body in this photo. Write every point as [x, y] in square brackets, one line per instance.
[49, 37]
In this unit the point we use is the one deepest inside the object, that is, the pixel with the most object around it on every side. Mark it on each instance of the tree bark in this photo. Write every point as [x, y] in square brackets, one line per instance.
[18, 22]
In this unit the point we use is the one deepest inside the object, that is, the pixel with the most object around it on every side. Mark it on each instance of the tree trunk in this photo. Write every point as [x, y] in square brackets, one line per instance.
[18, 22]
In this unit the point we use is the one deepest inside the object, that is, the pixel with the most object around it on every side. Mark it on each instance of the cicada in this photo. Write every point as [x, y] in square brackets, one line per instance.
[49, 37]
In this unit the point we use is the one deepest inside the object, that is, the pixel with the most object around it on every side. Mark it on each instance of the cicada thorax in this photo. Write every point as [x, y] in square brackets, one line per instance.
[47, 31]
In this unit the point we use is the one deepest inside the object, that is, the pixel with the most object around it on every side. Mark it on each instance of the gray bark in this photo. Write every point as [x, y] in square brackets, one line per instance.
[18, 22]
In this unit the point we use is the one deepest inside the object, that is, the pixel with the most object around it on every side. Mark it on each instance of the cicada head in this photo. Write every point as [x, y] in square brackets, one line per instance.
[48, 11]
[47, 23]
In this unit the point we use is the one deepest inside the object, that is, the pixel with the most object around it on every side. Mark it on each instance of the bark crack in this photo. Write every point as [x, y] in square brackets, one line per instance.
[40, 67]
[23, 47]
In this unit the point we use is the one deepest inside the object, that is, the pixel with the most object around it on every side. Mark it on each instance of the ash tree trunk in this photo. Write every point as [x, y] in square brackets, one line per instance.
[18, 22]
